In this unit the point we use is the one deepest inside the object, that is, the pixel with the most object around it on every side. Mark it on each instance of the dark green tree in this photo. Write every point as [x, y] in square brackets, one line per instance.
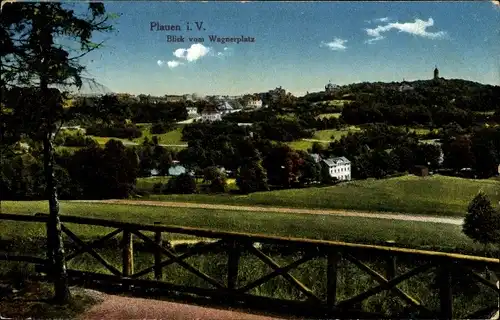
[252, 177]
[32, 60]
[482, 222]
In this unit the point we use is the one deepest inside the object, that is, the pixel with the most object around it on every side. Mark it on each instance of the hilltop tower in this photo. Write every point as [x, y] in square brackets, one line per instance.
[436, 73]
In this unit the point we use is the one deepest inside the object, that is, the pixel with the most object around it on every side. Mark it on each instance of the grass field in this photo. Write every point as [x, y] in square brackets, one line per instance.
[171, 137]
[433, 195]
[336, 134]
[350, 229]
[323, 135]
[146, 184]
[329, 115]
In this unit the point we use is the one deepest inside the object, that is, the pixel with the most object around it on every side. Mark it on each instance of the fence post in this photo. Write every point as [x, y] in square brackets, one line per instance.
[128, 255]
[445, 291]
[333, 259]
[232, 265]
[391, 262]
[158, 268]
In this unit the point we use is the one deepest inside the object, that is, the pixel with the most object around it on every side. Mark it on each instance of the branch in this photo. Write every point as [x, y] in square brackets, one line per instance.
[98, 46]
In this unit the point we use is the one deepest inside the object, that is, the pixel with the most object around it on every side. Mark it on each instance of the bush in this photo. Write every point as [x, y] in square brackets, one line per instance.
[182, 184]
[158, 188]
[78, 140]
[123, 131]
[482, 222]
[161, 127]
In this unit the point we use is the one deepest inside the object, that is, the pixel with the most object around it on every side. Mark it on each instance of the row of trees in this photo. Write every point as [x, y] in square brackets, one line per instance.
[129, 108]
[360, 112]
[117, 130]
[89, 173]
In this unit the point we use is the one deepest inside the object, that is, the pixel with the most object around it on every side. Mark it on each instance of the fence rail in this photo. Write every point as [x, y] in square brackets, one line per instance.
[444, 265]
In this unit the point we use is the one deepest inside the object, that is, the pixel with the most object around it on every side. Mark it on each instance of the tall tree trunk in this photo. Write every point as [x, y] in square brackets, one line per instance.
[57, 263]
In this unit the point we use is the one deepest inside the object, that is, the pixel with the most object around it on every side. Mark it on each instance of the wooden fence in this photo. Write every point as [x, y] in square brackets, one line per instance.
[444, 265]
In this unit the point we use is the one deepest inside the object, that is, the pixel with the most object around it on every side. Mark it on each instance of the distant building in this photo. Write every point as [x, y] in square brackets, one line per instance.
[405, 86]
[330, 88]
[174, 98]
[421, 171]
[211, 115]
[436, 73]
[192, 112]
[254, 104]
[224, 107]
[316, 157]
[339, 168]
[176, 170]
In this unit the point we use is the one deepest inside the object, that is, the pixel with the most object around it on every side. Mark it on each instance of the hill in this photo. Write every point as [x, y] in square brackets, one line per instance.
[433, 195]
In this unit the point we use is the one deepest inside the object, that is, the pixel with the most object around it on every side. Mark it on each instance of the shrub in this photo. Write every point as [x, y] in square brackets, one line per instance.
[182, 184]
[123, 131]
[482, 222]
[158, 188]
[161, 127]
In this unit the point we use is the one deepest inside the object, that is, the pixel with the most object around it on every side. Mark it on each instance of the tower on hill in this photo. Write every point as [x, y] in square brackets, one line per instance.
[436, 73]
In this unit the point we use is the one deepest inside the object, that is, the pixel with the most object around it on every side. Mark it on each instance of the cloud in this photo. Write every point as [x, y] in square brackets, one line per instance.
[384, 19]
[417, 28]
[226, 52]
[173, 64]
[193, 53]
[336, 45]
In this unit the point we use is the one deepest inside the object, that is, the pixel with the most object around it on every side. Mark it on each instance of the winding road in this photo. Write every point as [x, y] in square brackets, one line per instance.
[341, 213]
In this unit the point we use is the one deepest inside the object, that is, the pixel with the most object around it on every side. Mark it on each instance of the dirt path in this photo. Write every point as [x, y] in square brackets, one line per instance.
[342, 213]
[119, 307]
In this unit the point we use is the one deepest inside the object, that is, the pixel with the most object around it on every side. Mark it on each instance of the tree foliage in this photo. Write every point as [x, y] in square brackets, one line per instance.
[482, 222]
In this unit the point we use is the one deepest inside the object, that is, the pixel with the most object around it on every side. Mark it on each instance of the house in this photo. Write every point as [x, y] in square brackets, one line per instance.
[176, 170]
[330, 88]
[339, 168]
[224, 107]
[316, 157]
[192, 112]
[405, 86]
[421, 171]
[254, 104]
[211, 115]
[171, 98]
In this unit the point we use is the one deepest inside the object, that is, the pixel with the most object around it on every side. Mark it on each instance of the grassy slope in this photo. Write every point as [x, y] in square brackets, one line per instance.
[433, 195]
[171, 137]
[325, 135]
[363, 230]
[148, 183]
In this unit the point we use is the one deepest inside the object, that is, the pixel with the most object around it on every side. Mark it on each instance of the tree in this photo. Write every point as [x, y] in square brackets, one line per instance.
[33, 61]
[183, 184]
[482, 222]
[252, 177]
[310, 169]
[218, 180]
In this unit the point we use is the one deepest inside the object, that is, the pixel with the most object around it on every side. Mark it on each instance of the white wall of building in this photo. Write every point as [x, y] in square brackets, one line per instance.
[211, 116]
[341, 172]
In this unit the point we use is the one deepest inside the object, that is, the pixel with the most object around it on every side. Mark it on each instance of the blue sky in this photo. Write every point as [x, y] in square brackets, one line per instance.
[298, 45]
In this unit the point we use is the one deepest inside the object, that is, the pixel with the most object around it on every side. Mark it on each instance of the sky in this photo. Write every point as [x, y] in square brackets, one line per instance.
[300, 46]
